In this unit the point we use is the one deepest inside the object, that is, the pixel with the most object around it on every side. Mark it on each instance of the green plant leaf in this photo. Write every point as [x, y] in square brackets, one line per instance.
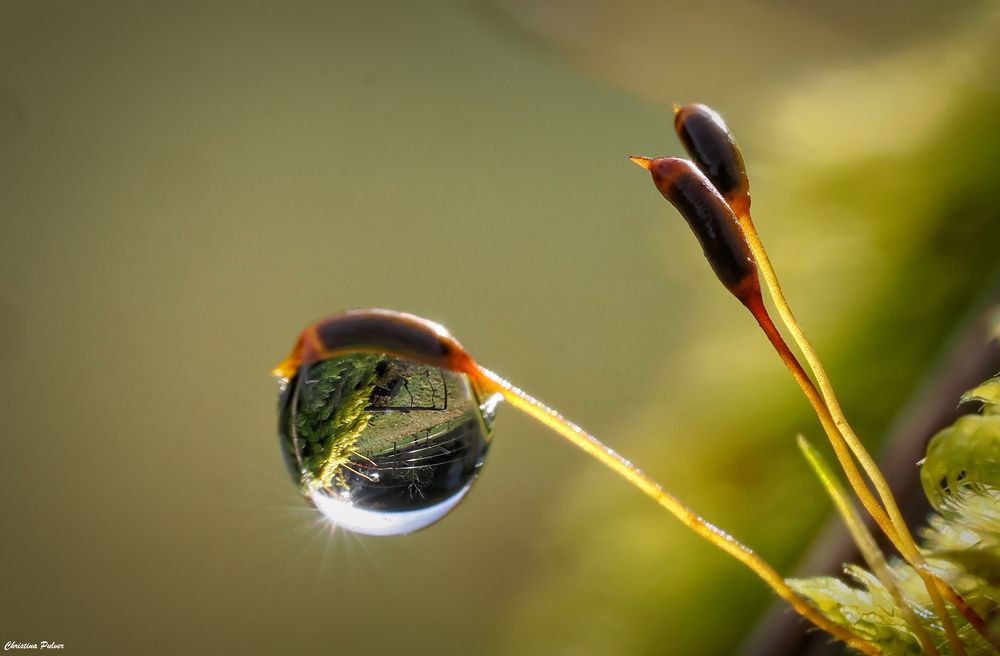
[987, 393]
[964, 455]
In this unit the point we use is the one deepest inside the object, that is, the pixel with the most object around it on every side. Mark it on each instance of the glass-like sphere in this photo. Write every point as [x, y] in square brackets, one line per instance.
[382, 446]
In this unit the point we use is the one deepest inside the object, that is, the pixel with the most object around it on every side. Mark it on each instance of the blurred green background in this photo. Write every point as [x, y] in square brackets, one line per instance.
[184, 186]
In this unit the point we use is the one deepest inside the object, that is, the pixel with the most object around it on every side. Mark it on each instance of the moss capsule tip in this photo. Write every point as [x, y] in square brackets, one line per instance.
[644, 162]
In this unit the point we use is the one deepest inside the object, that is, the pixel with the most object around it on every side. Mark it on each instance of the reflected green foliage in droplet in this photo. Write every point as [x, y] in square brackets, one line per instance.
[331, 415]
[382, 445]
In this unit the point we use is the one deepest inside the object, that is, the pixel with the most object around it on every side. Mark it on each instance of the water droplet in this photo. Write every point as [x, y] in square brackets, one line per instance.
[383, 446]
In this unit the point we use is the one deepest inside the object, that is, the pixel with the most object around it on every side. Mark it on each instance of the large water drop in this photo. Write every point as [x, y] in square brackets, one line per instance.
[383, 446]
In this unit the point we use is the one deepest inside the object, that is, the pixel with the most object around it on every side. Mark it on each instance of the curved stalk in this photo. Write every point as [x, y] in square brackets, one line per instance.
[840, 448]
[842, 435]
[490, 382]
[865, 542]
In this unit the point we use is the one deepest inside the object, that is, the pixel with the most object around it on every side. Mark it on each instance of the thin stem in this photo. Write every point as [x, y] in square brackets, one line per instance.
[903, 540]
[491, 382]
[756, 306]
[864, 540]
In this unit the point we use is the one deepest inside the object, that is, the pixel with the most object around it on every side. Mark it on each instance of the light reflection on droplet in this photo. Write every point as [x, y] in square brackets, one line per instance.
[383, 446]
[354, 518]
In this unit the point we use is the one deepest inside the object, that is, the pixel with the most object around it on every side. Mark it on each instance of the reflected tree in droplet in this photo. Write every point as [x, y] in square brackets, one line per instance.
[381, 445]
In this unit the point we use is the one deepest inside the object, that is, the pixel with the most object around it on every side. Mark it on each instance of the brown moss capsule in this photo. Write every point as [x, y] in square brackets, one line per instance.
[377, 331]
[711, 219]
[711, 145]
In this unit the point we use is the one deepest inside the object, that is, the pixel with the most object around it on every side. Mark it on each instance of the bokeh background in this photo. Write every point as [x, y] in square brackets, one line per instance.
[185, 185]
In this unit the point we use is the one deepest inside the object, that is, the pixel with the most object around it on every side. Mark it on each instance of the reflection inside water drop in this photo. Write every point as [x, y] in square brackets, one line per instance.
[383, 446]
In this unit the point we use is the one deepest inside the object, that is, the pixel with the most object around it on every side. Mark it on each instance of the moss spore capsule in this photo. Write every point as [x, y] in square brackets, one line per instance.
[711, 219]
[711, 145]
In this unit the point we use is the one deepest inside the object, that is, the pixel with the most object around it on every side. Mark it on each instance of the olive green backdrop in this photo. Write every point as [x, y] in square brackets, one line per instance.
[184, 186]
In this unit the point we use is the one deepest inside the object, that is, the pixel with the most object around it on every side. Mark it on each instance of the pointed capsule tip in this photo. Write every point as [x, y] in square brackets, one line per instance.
[677, 108]
[286, 369]
[644, 162]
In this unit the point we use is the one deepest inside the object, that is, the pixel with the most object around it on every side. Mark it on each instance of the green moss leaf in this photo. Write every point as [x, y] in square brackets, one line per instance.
[987, 393]
[867, 610]
[963, 456]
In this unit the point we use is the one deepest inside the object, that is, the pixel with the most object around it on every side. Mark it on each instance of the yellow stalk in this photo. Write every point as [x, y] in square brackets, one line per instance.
[897, 531]
[490, 382]
[863, 539]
